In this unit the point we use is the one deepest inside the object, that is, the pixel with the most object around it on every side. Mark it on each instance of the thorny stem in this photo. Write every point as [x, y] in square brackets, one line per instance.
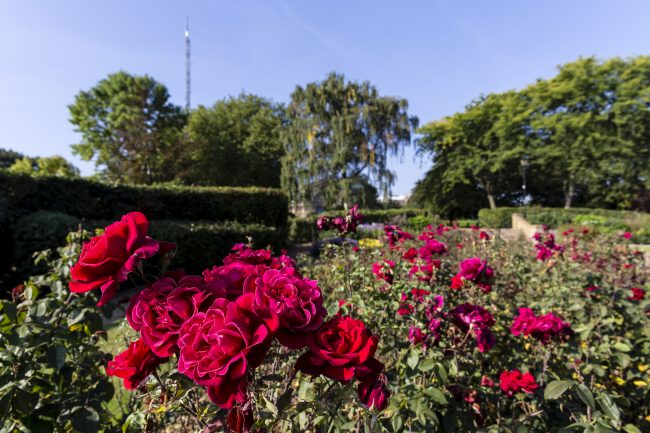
[193, 413]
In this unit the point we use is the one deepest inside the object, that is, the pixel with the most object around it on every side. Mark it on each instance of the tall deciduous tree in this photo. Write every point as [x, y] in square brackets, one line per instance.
[129, 127]
[584, 133]
[340, 135]
[479, 148]
[574, 126]
[235, 142]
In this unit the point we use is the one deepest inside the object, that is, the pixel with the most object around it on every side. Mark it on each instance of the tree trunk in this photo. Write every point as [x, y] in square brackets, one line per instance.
[569, 190]
[493, 204]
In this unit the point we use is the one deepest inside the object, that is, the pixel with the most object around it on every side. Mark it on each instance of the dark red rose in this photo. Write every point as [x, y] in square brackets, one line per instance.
[108, 259]
[159, 311]
[543, 328]
[410, 255]
[478, 321]
[374, 395]
[218, 347]
[514, 381]
[134, 364]
[638, 294]
[240, 420]
[296, 301]
[338, 348]
[235, 278]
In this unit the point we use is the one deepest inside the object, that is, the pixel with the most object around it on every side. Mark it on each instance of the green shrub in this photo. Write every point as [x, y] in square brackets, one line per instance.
[39, 231]
[198, 242]
[465, 224]
[201, 243]
[419, 222]
[302, 230]
[498, 218]
[20, 195]
[554, 217]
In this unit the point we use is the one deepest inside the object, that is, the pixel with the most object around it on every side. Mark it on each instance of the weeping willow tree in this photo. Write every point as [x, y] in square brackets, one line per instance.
[339, 137]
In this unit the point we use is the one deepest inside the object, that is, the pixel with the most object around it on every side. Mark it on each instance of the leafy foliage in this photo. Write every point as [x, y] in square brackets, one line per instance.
[44, 166]
[129, 127]
[598, 380]
[339, 136]
[235, 142]
[51, 365]
[574, 139]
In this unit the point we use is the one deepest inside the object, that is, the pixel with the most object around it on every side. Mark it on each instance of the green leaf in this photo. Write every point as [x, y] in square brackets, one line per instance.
[412, 359]
[609, 407]
[622, 347]
[56, 356]
[586, 396]
[24, 401]
[631, 429]
[556, 388]
[436, 395]
[86, 420]
[427, 364]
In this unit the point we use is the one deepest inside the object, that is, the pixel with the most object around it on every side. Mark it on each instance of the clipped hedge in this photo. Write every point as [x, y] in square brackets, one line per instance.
[552, 217]
[199, 243]
[21, 195]
[304, 229]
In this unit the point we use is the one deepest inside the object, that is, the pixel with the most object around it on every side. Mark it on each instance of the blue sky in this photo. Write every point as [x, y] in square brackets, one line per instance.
[439, 55]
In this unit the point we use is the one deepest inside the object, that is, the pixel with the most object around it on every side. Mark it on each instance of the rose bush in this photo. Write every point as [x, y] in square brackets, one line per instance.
[438, 329]
[218, 329]
[550, 334]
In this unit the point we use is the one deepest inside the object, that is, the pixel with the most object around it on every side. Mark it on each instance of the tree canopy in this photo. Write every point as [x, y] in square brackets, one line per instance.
[235, 142]
[581, 136]
[44, 166]
[339, 137]
[8, 157]
[129, 127]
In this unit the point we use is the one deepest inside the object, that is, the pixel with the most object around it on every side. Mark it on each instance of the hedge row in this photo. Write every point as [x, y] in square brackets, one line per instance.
[552, 217]
[304, 229]
[20, 195]
[200, 244]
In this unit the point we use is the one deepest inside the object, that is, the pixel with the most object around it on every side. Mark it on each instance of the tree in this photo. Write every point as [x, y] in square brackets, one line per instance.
[8, 157]
[340, 135]
[575, 133]
[478, 149]
[45, 166]
[235, 142]
[584, 133]
[129, 127]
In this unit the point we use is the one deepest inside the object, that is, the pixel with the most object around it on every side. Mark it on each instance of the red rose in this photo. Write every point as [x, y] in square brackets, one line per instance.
[543, 328]
[134, 364]
[514, 381]
[159, 311]
[235, 278]
[475, 319]
[108, 259]
[296, 301]
[243, 254]
[340, 347]
[374, 395]
[218, 347]
[638, 294]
